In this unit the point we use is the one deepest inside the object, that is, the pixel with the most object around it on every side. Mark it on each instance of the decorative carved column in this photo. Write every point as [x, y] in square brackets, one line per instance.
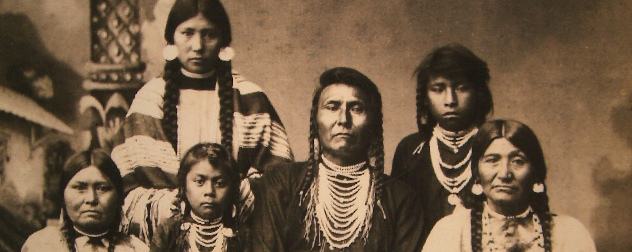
[115, 70]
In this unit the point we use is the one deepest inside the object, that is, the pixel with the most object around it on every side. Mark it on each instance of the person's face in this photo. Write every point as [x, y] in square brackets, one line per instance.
[452, 102]
[206, 190]
[197, 41]
[91, 200]
[506, 176]
[342, 121]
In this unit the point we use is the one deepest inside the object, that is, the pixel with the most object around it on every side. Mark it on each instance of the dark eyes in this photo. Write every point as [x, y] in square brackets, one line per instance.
[204, 34]
[199, 182]
[519, 161]
[460, 87]
[491, 159]
[220, 183]
[355, 108]
[98, 187]
[515, 160]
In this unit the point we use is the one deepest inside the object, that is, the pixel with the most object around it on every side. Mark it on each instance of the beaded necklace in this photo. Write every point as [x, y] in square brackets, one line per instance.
[341, 204]
[509, 231]
[454, 141]
[204, 233]
[90, 235]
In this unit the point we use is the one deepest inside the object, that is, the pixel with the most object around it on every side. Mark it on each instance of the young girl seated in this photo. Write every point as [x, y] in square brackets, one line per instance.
[208, 187]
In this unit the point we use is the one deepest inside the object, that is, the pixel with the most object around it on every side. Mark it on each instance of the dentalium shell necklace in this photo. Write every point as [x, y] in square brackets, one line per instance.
[343, 203]
[206, 233]
[453, 185]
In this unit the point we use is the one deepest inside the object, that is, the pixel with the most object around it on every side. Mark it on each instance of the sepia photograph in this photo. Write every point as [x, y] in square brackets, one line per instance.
[315, 125]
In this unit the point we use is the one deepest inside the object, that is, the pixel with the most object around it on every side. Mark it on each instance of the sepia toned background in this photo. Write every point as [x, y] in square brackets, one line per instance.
[562, 67]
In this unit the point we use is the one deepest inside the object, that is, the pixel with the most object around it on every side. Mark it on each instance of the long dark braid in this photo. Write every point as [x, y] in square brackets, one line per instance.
[476, 218]
[170, 102]
[376, 153]
[540, 205]
[314, 155]
[68, 232]
[226, 107]
[422, 109]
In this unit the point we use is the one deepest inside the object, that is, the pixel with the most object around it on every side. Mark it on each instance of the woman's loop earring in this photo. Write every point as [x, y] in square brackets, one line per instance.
[170, 52]
[538, 188]
[226, 53]
[234, 213]
[477, 189]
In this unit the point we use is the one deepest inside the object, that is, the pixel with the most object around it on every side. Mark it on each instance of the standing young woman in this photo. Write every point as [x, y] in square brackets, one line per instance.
[340, 199]
[509, 204]
[92, 190]
[453, 99]
[198, 99]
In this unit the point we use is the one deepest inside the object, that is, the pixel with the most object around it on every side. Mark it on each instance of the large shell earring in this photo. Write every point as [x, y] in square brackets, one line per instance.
[538, 188]
[477, 189]
[226, 53]
[170, 52]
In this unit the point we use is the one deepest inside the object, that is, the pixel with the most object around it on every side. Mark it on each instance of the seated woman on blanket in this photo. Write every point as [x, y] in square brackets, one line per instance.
[198, 99]
[92, 190]
[208, 184]
[509, 204]
[340, 199]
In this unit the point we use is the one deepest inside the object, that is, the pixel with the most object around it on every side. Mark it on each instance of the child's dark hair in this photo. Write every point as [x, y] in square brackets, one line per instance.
[452, 61]
[218, 157]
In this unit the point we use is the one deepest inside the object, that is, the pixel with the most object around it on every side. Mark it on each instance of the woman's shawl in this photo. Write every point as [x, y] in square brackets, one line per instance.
[146, 158]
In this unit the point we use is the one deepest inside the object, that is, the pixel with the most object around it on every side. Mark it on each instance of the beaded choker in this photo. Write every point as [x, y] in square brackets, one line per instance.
[454, 140]
[341, 204]
[205, 232]
[342, 169]
[90, 235]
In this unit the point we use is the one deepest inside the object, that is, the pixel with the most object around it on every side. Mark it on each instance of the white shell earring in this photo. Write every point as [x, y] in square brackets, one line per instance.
[538, 188]
[226, 53]
[170, 52]
[477, 189]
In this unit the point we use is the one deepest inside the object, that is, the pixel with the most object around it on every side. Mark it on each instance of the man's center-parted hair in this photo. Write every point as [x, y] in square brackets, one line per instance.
[375, 150]
[452, 61]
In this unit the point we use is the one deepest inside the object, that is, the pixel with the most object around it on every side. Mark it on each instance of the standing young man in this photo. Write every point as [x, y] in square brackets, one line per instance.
[453, 99]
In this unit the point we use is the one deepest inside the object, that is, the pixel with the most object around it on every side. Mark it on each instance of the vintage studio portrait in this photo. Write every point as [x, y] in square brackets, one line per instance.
[316, 125]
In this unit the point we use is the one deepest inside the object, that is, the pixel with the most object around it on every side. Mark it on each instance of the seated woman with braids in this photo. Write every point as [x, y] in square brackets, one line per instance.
[198, 99]
[208, 189]
[339, 199]
[509, 204]
[92, 190]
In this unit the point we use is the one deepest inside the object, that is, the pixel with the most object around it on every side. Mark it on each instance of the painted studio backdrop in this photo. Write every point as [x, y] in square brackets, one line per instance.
[69, 69]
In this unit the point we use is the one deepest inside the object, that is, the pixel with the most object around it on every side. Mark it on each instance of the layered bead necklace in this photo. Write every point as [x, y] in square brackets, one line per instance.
[503, 233]
[454, 141]
[342, 203]
[207, 234]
